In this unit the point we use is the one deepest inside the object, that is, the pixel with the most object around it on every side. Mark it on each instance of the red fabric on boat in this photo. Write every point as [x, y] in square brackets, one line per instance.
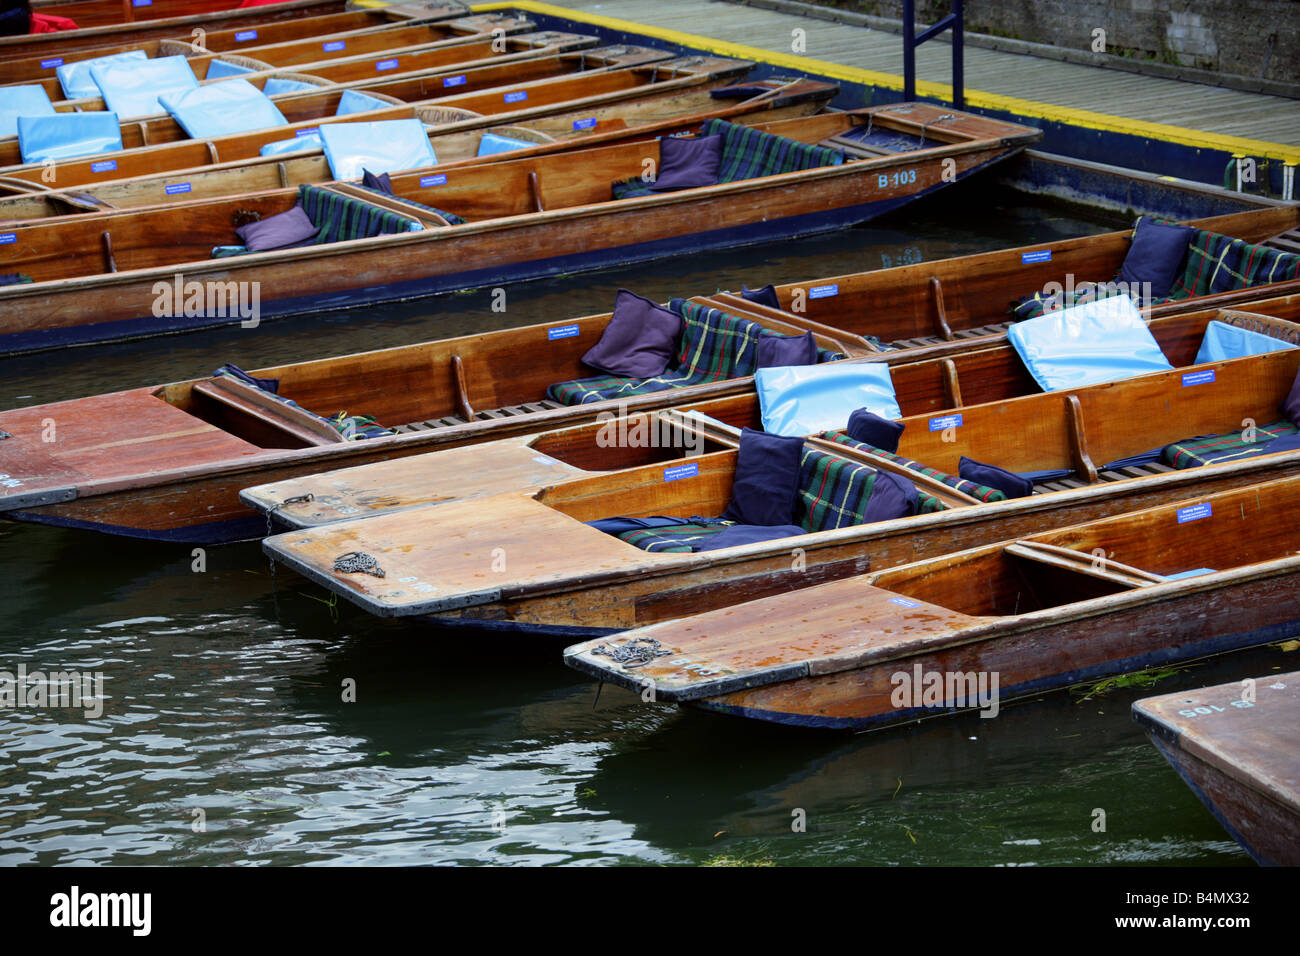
[48, 23]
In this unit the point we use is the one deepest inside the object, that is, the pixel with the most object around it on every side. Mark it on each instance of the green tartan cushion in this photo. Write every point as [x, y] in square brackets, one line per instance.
[982, 492]
[1212, 260]
[343, 217]
[1262, 265]
[1192, 453]
[833, 491]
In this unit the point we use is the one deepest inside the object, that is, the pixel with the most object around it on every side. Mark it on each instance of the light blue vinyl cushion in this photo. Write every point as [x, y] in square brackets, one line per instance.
[1100, 341]
[220, 68]
[299, 144]
[1224, 341]
[493, 143]
[386, 146]
[277, 85]
[131, 89]
[22, 101]
[219, 109]
[75, 77]
[353, 102]
[68, 135]
[804, 399]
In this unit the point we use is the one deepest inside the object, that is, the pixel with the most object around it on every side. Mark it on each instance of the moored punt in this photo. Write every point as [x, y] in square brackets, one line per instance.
[976, 629]
[390, 40]
[525, 218]
[597, 90]
[18, 69]
[563, 575]
[169, 20]
[1235, 746]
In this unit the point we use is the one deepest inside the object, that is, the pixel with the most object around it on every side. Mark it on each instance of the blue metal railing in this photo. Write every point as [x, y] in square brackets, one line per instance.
[911, 41]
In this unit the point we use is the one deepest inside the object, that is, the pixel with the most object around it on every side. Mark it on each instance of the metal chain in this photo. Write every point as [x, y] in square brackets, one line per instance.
[635, 653]
[358, 561]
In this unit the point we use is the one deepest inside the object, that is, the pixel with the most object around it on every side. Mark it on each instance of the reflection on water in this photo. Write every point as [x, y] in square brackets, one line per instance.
[250, 722]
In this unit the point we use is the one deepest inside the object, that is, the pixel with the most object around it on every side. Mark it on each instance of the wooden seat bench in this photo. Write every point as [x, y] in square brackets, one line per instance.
[250, 402]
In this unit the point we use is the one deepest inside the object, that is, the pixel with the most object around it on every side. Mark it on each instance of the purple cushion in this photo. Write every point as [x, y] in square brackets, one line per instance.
[892, 496]
[1291, 406]
[779, 351]
[767, 477]
[277, 232]
[383, 182]
[1007, 482]
[684, 163]
[765, 296]
[1156, 255]
[871, 429]
[639, 341]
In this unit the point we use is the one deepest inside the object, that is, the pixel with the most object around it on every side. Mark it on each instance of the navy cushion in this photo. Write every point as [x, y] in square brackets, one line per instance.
[383, 182]
[685, 163]
[639, 341]
[1291, 406]
[872, 429]
[781, 351]
[765, 296]
[278, 232]
[1156, 255]
[892, 496]
[1007, 482]
[767, 477]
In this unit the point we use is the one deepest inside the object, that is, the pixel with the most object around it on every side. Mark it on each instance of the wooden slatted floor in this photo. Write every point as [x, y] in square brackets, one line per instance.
[1193, 106]
[509, 411]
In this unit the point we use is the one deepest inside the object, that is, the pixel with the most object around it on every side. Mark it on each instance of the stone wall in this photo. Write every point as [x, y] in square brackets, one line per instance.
[1256, 38]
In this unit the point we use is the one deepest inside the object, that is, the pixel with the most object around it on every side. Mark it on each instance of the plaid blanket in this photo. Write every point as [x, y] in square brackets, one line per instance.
[833, 491]
[14, 278]
[748, 153]
[673, 538]
[1193, 452]
[451, 217]
[342, 217]
[928, 502]
[714, 346]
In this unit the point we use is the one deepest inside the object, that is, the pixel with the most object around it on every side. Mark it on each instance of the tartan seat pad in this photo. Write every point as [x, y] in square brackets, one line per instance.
[982, 492]
[714, 346]
[1193, 452]
[342, 217]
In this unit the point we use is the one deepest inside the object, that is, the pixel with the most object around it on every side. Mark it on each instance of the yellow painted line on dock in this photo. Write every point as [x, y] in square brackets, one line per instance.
[1198, 139]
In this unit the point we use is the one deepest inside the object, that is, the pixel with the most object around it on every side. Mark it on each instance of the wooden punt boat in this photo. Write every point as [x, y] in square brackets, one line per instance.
[526, 218]
[27, 69]
[597, 81]
[977, 629]
[391, 38]
[527, 559]
[454, 54]
[179, 478]
[1235, 746]
[177, 18]
[637, 105]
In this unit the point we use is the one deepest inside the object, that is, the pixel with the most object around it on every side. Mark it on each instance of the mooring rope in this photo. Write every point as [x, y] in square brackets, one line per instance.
[635, 653]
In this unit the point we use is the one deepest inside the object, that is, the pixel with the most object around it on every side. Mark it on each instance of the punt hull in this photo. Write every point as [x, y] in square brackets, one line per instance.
[118, 306]
[1035, 660]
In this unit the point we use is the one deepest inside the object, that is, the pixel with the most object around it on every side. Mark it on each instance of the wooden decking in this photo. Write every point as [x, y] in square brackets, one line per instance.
[1151, 99]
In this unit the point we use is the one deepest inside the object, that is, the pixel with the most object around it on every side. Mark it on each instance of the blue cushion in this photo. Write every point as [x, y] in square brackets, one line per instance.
[131, 89]
[382, 183]
[217, 69]
[767, 478]
[308, 142]
[67, 135]
[1100, 341]
[353, 101]
[639, 340]
[775, 350]
[805, 399]
[765, 296]
[278, 85]
[870, 429]
[1223, 341]
[1007, 482]
[687, 163]
[22, 101]
[76, 80]
[385, 146]
[219, 109]
[1291, 404]
[1156, 255]
[493, 143]
[892, 496]
[740, 534]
